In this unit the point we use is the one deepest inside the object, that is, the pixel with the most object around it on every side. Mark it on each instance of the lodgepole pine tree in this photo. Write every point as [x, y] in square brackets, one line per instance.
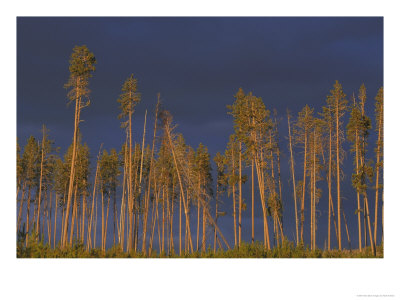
[45, 149]
[221, 187]
[379, 155]
[81, 67]
[327, 114]
[337, 100]
[30, 159]
[149, 177]
[293, 178]
[128, 100]
[354, 128]
[302, 131]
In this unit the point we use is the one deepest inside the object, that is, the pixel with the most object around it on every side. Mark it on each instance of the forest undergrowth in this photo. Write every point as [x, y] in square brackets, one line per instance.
[246, 250]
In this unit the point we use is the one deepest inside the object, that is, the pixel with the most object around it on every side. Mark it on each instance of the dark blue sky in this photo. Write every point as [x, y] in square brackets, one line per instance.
[197, 64]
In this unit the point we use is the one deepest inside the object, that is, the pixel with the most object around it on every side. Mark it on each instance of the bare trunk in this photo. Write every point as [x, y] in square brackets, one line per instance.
[377, 182]
[49, 222]
[83, 217]
[149, 181]
[181, 188]
[40, 186]
[347, 230]
[304, 188]
[64, 239]
[338, 176]
[180, 225]
[233, 197]
[28, 205]
[125, 184]
[130, 192]
[74, 210]
[198, 215]
[216, 218]
[21, 205]
[330, 204]
[294, 182]
[240, 193]
[106, 226]
[358, 197]
[93, 201]
[55, 222]
[252, 201]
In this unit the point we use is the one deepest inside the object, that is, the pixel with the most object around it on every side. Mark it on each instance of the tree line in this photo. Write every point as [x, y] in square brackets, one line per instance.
[165, 183]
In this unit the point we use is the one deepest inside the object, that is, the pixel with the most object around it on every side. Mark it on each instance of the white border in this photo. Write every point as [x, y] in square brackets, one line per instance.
[197, 279]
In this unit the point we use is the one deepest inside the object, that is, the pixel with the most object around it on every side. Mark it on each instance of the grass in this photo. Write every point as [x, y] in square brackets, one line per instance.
[256, 250]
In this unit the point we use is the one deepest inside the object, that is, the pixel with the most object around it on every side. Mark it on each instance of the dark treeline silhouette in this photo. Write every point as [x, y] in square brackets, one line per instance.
[164, 185]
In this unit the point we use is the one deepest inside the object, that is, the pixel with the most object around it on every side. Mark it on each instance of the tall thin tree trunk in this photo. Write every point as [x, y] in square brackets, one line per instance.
[106, 226]
[338, 176]
[314, 192]
[252, 201]
[203, 243]
[275, 209]
[172, 221]
[130, 192]
[125, 192]
[149, 180]
[21, 206]
[74, 212]
[28, 205]
[181, 188]
[83, 217]
[198, 215]
[347, 230]
[62, 216]
[304, 188]
[358, 196]
[95, 224]
[102, 218]
[240, 193]
[64, 235]
[93, 202]
[260, 178]
[55, 222]
[378, 154]
[49, 221]
[115, 217]
[294, 182]
[163, 221]
[373, 249]
[330, 204]
[233, 197]
[40, 184]
[155, 204]
[180, 225]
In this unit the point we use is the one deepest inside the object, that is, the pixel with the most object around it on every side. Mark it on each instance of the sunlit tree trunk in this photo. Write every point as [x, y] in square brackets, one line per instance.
[21, 205]
[233, 197]
[240, 193]
[64, 239]
[40, 184]
[198, 214]
[145, 217]
[304, 188]
[180, 225]
[293, 181]
[252, 201]
[28, 207]
[74, 210]
[106, 226]
[55, 221]
[378, 155]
